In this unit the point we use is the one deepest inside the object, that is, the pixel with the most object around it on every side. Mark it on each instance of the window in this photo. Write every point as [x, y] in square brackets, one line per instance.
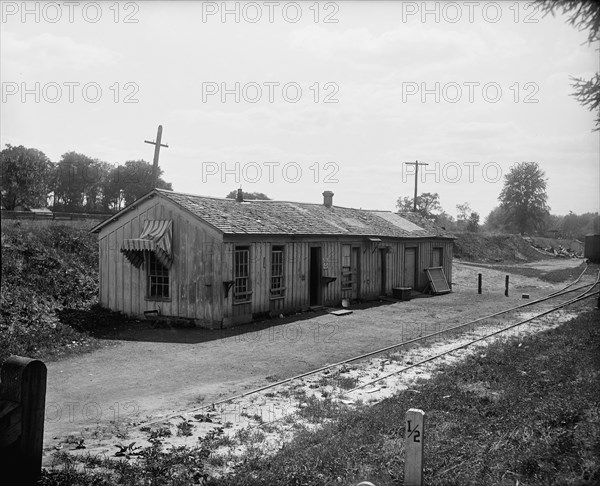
[241, 277]
[158, 279]
[277, 281]
[346, 267]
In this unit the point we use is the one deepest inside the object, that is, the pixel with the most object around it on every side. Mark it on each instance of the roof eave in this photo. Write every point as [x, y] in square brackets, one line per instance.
[337, 235]
[116, 216]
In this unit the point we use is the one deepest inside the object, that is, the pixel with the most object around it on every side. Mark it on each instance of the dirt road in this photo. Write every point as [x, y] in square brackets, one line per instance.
[152, 373]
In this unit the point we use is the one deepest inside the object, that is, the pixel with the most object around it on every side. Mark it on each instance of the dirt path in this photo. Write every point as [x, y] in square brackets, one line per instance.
[153, 373]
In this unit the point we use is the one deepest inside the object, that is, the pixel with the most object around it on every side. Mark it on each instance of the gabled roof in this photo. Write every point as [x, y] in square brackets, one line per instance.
[258, 217]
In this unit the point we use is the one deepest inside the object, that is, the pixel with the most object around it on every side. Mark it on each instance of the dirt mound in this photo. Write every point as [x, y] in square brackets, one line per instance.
[477, 247]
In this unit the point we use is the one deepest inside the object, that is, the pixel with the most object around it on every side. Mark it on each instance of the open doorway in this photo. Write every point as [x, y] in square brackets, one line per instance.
[314, 279]
[383, 261]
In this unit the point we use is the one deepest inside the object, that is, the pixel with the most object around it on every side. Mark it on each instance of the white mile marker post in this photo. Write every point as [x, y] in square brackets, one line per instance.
[414, 439]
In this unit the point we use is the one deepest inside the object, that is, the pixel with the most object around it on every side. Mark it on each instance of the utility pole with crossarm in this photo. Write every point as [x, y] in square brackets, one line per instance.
[416, 163]
[157, 146]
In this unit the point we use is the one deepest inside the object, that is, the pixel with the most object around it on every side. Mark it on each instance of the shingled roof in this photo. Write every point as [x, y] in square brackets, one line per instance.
[258, 217]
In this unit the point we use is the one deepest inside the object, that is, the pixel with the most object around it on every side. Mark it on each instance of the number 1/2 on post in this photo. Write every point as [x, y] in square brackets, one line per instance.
[414, 440]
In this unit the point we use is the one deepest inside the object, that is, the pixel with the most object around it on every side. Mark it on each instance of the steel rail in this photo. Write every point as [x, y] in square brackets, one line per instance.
[583, 296]
[212, 405]
[558, 293]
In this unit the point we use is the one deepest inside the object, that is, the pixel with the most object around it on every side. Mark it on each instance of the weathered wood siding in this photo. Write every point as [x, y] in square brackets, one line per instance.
[297, 269]
[203, 259]
[196, 287]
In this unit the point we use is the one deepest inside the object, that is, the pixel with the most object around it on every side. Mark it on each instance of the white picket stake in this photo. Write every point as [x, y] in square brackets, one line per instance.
[414, 440]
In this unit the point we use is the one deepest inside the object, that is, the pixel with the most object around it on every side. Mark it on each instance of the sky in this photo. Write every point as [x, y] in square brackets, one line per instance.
[295, 98]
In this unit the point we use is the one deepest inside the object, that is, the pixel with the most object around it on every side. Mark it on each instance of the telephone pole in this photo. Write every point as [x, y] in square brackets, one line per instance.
[416, 163]
[157, 146]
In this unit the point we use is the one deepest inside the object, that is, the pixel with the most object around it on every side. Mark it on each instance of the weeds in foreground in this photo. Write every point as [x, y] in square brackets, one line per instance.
[185, 428]
[176, 466]
[526, 410]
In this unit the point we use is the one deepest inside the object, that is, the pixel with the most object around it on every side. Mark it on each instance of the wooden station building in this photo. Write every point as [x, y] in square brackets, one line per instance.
[219, 262]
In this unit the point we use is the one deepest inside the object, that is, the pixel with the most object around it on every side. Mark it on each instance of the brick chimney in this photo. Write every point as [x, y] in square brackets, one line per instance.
[327, 199]
[240, 195]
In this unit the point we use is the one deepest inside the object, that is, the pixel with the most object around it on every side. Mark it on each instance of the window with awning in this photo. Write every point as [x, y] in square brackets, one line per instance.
[156, 238]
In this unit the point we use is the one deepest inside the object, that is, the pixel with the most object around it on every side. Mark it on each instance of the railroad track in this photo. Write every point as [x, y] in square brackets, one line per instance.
[477, 325]
[589, 292]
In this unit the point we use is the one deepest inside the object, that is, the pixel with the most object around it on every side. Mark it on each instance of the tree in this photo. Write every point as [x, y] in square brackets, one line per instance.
[578, 226]
[78, 182]
[497, 221]
[249, 196]
[467, 218]
[25, 177]
[112, 191]
[134, 178]
[473, 222]
[463, 211]
[427, 203]
[583, 15]
[445, 221]
[523, 197]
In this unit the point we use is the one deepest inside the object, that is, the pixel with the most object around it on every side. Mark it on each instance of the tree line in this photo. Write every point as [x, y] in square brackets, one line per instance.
[522, 209]
[76, 183]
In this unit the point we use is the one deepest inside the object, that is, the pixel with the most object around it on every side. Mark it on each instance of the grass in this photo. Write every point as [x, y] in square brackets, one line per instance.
[215, 439]
[347, 382]
[526, 410]
[159, 432]
[185, 428]
[179, 466]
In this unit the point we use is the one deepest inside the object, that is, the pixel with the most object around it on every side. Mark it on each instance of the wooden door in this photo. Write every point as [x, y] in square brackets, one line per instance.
[410, 267]
[355, 273]
[383, 261]
[437, 257]
[242, 286]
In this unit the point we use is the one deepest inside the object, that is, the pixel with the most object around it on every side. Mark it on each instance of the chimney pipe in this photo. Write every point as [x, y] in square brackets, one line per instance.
[328, 199]
[240, 195]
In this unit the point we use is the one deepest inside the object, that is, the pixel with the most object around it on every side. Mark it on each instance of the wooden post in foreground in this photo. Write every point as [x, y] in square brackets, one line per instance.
[479, 279]
[414, 439]
[22, 407]
[506, 287]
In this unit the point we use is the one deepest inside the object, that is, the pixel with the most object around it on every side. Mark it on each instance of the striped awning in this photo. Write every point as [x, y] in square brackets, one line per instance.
[156, 237]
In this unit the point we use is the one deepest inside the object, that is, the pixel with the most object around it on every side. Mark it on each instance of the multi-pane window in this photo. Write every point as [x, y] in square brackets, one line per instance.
[158, 278]
[346, 267]
[277, 286]
[241, 276]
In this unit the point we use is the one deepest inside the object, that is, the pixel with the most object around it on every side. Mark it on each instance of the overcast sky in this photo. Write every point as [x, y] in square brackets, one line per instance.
[329, 95]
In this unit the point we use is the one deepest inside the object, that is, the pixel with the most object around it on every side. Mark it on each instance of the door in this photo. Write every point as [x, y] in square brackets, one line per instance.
[437, 257]
[355, 273]
[410, 267]
[242, 286]
[314, 278]
[383, 261]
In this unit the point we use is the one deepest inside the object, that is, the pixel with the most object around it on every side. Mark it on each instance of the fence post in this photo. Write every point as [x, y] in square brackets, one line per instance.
[479, 279]
[23, 382]
[414, 438]
[506, 286]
